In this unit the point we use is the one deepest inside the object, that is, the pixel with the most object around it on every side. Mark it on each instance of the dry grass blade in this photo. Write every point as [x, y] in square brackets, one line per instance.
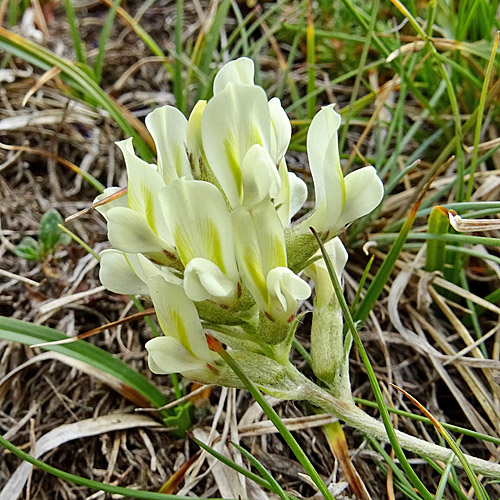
[47, 76]
[470, 225]
[178, 476]
[99, 329]
[338, 445]
[108, 199]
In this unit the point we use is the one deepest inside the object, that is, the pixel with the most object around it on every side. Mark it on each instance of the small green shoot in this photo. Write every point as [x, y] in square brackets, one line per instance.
[51, 235]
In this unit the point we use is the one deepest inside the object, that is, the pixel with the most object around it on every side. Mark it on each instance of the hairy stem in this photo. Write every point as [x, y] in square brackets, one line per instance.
[357, 418]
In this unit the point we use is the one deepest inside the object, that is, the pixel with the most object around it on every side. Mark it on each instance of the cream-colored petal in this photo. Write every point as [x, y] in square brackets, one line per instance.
[285, 289]
[281, 130]
[233, 121]
[129, 231]
[117, 274]
[239, 71]
[178, 317]
[144, 185]
[167, 355]
[260, 247]
[199, 220]
[324, 162]
[260, 177]
[168, 127]
[194, 141]
[204, 280]
[364, 192]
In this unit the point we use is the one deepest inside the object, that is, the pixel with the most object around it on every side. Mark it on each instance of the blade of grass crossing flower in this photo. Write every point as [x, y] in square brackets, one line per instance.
[479, 118]
[103, 40]
[415, 480]
[275, 419]
[78, 43]
[89, 483]
[362, 282]
[478, 487]
[263, 471]
[311, 62]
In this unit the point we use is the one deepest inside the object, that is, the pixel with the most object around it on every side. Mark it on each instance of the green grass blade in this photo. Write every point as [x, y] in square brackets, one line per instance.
[103, 40]
[263, 471]
[479, 117]
[435, 256]
[178, 83]
[391, 433]
[29, 334]
[311, 63]
[78, 43]
[275, 419]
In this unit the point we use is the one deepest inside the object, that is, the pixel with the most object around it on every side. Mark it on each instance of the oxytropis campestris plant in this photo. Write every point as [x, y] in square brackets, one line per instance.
[206, 235]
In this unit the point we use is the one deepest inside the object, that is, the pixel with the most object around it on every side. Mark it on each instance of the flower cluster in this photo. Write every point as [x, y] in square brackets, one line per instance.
[206, 232]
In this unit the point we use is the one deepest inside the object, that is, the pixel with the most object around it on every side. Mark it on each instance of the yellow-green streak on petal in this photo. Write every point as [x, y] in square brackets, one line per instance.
[233, 161]
[279, 252]
[254, 267]
[180, 329]
[256, 137]
[183, 244]
[342, 184]
[144, 204]
[178, 159]
[211, 242]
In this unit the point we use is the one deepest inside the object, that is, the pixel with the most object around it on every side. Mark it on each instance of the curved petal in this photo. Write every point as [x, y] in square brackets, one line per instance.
[240, 71]
[292, 195]
[233, 121]
[178, 317]
[193, 135]
[260, 247]
[168, 127]
[168, 355]
[199, 221]
[260, 178]
[122, 201]
[129, 231]
[204, 280]
[144, 184]
[117, 274]
[364, 192]
[298, 193]
[324, 162]
[285, 289]
[281, 130]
